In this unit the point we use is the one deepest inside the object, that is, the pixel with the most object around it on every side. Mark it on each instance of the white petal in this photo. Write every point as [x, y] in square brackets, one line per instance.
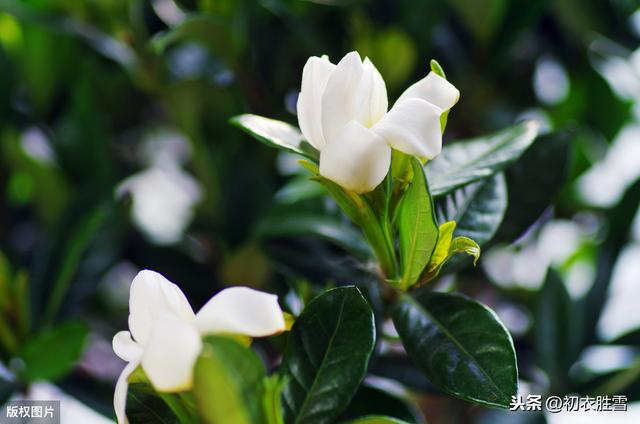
[150, 295]
[120, 393]
[357, 160]
[434, 89]
[171, 353]
[125, 347]
[413, 127]
[371, 96]
[315, 75]
[339, 101]
[241, 310]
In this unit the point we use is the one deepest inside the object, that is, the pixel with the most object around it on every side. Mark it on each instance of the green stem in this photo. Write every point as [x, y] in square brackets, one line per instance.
[379, 237]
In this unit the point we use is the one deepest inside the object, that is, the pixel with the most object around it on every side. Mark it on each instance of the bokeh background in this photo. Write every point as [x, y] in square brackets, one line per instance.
[116, 154]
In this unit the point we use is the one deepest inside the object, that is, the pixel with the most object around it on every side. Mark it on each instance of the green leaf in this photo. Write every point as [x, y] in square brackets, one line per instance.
[464, 162]
[53, 352]
[477, 208]
[339, 232]
[373, 401]
[76, 246]
[448, 247]
[228, 383]
[327, 356]
[7, 389]
[276, 134]
[144, 406]
[558, 344]
[460, 345]
[418, 229]
[532, 191]
[465, 245]
[299, 189]
[441, 251]
[108, 46]
[376, 419]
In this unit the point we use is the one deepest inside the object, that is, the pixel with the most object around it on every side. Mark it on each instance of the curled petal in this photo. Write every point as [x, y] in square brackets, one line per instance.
[170, 354]
[241, 310]
[435, 90]
[412, 127]
[340, 98]
[357, 160]
[152, 294]
[315, 75]
[120, 393]
[125, 347]
[371, 96]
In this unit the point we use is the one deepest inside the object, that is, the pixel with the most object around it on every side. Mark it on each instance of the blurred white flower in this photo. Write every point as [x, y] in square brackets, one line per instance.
[165, 334]
[550, 81]
[621, 314]
[342, 112]
[163, 198]
[605, 183]
[525, 266]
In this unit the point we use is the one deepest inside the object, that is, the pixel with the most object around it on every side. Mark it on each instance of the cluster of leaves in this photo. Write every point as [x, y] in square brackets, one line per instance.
[460, 344]
[33, 351]
[95, 77]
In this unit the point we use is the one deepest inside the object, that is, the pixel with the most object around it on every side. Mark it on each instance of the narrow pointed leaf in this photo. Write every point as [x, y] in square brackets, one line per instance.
[418, 228]
[276, 134]
[460, 345]
[327, 356]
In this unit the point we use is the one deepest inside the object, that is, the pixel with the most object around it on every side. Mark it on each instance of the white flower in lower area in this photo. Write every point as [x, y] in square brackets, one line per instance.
[342, 112]
[165, 334]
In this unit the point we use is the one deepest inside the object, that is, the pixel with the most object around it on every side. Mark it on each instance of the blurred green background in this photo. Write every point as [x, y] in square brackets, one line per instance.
[116, 155]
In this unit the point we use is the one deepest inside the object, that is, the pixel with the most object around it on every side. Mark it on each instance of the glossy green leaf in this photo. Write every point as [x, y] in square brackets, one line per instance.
[144, 406]
[441, 251]
[327, 356]
[460, 345]
[477, 208]
[531, 191]
[52, 353]
[446, 248]
[376, 419]
[465, 245]
[276, 134]
[228, 383]
[464, 162]
[373, 401]
[418, 228]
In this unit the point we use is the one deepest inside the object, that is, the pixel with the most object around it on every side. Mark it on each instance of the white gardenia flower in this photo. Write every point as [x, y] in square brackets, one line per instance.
[165, 335]
[342, 112]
